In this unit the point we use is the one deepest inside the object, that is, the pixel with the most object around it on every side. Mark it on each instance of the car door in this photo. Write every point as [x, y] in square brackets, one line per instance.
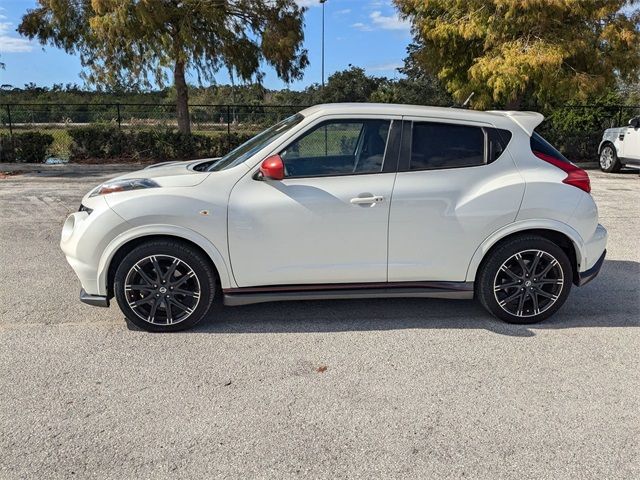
[327, 220]
[456, 185]
[631, 143]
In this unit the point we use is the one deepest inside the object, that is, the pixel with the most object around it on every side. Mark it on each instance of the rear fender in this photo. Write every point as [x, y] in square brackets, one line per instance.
[523, 226]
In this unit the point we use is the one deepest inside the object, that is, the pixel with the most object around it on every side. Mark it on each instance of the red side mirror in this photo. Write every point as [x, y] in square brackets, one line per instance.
[273, 168]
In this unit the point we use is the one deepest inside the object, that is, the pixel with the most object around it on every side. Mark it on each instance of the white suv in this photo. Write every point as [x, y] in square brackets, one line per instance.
[346, 201]
[620, 147]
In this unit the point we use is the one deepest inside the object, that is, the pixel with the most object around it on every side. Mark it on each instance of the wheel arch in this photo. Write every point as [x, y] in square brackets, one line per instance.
[605, 143]
[124, 243]
[559, 233]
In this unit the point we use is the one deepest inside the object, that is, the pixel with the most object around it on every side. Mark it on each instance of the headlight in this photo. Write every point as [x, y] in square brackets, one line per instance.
[123, 186]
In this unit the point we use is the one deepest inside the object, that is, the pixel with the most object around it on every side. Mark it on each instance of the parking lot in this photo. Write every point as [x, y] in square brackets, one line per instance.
[403, 388]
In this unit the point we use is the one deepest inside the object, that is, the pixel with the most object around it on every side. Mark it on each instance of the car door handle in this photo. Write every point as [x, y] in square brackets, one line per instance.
[367, 200]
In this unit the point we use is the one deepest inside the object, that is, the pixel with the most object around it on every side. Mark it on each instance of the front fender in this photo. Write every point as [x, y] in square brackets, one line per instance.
[522, 226]
[160, 229]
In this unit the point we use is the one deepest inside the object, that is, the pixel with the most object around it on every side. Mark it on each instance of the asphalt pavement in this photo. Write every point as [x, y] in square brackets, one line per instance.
[403, 388]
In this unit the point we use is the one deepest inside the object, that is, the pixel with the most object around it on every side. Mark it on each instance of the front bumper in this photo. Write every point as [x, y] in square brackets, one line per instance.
[588, 275]
[84, 239]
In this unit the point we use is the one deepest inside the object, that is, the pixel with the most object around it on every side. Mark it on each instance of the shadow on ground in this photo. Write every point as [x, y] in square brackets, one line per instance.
[611, 300]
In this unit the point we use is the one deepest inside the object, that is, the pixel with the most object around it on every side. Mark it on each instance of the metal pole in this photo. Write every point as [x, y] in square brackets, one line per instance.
[620, 117]
[119, 117]
[229, 127]
[9, 120]
[323, 2]
[12, 150]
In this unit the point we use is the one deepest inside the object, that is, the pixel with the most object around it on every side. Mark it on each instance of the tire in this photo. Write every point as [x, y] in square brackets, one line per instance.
[609, 161]
[176, 300]
[502, 280]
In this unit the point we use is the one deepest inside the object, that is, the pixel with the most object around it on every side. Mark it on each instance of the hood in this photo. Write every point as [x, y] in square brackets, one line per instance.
[173, 174]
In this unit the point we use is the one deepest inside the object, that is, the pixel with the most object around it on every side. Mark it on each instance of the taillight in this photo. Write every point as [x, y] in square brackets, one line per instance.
[575, 175]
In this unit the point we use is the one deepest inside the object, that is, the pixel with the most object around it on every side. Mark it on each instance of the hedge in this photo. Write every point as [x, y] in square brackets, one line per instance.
[576, 131]
[111, 143]
[26, 147]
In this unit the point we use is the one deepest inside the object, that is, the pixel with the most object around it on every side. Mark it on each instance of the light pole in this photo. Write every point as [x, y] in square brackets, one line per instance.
[323, 2]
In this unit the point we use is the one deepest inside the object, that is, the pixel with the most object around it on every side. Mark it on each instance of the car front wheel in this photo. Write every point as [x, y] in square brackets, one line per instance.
[609, 161]
[164, 286]
[525, 280]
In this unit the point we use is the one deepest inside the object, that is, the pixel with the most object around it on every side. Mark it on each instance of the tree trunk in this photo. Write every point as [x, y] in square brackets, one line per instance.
[182, 98]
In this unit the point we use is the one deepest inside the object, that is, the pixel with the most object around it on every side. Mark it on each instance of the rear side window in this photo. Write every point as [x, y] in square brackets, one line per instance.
[442, 145]
[445, 145]
[539, 144]
[498, 139]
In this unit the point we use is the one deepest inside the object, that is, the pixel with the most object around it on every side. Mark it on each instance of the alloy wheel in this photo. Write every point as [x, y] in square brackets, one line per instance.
[528, 283]
[162, 290]
[606, 158]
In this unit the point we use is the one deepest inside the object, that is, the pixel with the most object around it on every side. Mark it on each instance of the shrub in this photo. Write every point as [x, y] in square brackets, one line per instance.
[99, 141]
[6, 148]
[111, 143]
[25, 147]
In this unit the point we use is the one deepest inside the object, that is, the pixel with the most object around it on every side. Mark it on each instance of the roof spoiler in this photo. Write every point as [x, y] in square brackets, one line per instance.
[528, 121]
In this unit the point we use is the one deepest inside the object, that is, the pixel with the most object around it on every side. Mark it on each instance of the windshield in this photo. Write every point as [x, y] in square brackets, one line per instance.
[251, 146]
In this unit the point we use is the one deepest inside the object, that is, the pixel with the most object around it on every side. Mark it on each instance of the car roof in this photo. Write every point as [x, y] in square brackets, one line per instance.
[526, 120]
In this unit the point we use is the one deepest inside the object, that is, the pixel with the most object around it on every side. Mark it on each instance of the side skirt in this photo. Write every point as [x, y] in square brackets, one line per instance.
[343, 291]
[630, 162]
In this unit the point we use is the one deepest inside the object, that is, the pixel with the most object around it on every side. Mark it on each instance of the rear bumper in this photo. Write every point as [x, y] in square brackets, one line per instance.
[588, 275]
[93, 300]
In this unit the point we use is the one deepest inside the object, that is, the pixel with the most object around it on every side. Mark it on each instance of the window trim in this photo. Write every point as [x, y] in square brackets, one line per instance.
[391, 152]
[404, 164]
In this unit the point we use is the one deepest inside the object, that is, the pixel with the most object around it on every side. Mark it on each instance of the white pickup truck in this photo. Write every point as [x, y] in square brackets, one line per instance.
[620, 147]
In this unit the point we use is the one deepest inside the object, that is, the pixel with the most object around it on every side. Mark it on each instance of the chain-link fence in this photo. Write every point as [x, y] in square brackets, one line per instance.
[70, 127]
[142, 131]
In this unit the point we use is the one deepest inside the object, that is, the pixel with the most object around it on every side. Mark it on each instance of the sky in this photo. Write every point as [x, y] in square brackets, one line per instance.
[363, 33]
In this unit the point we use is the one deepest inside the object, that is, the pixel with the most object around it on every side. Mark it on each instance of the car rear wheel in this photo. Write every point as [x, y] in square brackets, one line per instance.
[525, 280]
[609, 161]
[164, 286]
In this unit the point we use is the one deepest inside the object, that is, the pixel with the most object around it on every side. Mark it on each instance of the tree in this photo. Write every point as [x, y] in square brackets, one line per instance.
[137, 42]
[541, 51]
[351, 85]
[418, 87]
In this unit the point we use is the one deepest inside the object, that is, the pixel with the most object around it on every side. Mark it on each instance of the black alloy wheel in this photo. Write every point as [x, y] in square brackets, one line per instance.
[165, 285]
[525, 279]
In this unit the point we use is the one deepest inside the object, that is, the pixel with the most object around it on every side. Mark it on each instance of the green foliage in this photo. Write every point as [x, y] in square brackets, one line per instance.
[508, 51]
[424, 90]
[27, 147]
[576, 130]
[105, 142]
[99, 141]
[6, 148]
[352, 85]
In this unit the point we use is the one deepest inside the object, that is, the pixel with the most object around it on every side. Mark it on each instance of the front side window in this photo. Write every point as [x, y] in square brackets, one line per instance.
[338, 147]
[442, 145]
